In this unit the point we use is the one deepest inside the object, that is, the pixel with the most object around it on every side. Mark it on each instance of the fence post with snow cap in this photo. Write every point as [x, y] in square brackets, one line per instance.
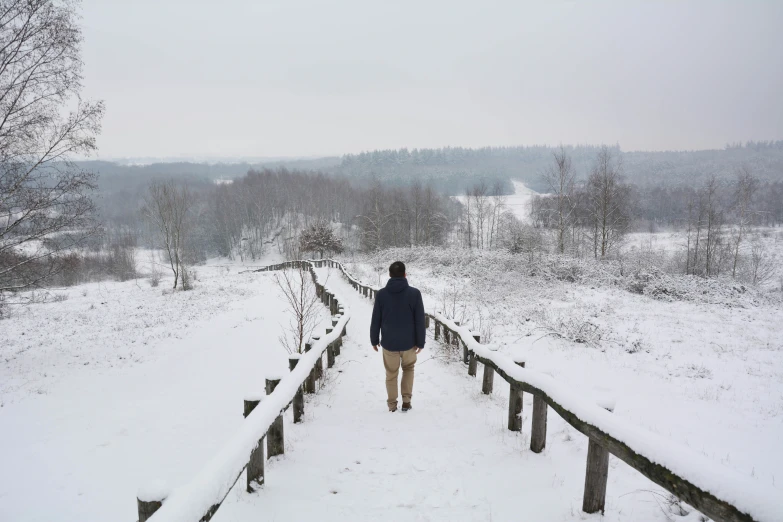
[472, 361]
[275, 443]
[437, 329]
[255, 464]
[319, 364]
[329, 351]
[309, 385]
[515, 395]
[596, 473]
[298, 402]
[149, 499]
[489, 378]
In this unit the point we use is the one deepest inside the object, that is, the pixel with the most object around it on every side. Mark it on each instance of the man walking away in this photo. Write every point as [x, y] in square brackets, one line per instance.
[398, 326]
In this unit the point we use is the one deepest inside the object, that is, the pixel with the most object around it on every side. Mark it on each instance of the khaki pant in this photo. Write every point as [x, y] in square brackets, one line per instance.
[392, 362]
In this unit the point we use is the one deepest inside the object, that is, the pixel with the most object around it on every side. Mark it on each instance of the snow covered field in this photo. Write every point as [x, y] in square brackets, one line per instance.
[519, 202]
[120, 384]
[161, 394]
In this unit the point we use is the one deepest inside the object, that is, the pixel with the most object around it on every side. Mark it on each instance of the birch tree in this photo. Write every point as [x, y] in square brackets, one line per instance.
[45, 200]
[560, 179]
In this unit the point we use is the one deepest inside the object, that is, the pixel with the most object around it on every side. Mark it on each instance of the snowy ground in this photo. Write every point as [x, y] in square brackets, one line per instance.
[166, 372]
[105, 391]
[709, 376]
[450, 458]
[519, 202]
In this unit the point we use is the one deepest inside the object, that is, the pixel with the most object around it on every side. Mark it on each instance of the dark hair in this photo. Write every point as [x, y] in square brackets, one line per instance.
[397, 269]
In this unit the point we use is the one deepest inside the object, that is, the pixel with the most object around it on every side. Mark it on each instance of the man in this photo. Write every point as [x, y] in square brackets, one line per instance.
[398, 326]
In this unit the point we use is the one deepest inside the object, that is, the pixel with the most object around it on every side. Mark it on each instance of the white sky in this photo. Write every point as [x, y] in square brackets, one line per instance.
[303, 78]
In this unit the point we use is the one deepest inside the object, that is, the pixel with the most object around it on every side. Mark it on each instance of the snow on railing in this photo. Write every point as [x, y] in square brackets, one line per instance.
[713, 489]
[198, 500]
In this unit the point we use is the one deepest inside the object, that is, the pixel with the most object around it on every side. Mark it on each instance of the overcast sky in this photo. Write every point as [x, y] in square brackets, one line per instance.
[304, 78]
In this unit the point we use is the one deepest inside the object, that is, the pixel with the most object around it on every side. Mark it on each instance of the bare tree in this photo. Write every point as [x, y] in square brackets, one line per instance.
[498, 208]
[44, 198]
[302, 302]
[560, 179]
[713, 216]
[167, 209]
[608, 203]
[743, 195]
[763, 264]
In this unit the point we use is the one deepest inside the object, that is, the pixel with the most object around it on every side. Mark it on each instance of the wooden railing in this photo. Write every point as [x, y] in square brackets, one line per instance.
[200, 499]
[712, 489]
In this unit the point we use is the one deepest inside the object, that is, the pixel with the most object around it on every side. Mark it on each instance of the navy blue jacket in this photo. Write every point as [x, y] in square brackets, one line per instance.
[398, 317]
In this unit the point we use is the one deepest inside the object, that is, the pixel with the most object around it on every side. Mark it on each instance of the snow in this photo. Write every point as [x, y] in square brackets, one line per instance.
[162, 390]
[708, 390]
[749, 496]
[213, 482]
[518, 203]
[154, 490]
[704, 375]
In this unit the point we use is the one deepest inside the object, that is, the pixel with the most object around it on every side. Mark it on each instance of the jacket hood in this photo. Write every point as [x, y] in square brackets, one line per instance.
[397, 285]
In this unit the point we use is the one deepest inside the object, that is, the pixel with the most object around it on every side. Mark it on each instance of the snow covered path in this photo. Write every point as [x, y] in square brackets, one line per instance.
[450, 458]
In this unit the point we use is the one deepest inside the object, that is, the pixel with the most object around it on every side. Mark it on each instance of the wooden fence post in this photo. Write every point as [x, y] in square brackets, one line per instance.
[538, 432]
[338, 343]
[274, 436]
[147, 508]
[149, 500]
[472, 361]
[298, 403]
[255, 465]
[489, 377]
[310, 381]
[319, 364]
[515, 403]
[596, 476]
[329, 351]
[437, 329]
[426, 322]
[446, 335]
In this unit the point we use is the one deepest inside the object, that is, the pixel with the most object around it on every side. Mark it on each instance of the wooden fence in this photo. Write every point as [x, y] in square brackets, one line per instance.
[709, 487]
[656, 461]
[263, 425]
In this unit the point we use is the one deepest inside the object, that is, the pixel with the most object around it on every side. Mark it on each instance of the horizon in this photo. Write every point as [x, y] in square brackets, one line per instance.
[184, 158]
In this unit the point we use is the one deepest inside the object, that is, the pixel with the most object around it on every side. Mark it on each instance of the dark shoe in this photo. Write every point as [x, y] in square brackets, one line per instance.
[406, 406]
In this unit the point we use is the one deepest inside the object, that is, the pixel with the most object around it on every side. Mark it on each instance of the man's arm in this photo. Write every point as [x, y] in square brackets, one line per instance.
[375, 324]
[418, 321]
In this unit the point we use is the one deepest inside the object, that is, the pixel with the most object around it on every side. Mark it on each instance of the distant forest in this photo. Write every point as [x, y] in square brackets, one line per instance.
[453, 169]
[450, 170]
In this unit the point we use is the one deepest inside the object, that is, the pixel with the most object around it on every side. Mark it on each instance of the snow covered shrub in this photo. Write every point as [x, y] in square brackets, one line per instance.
[569, 327]
[59, 298]
[452, 303]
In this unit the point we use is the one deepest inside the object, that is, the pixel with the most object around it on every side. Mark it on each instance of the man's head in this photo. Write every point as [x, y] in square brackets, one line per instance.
[397, 269]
